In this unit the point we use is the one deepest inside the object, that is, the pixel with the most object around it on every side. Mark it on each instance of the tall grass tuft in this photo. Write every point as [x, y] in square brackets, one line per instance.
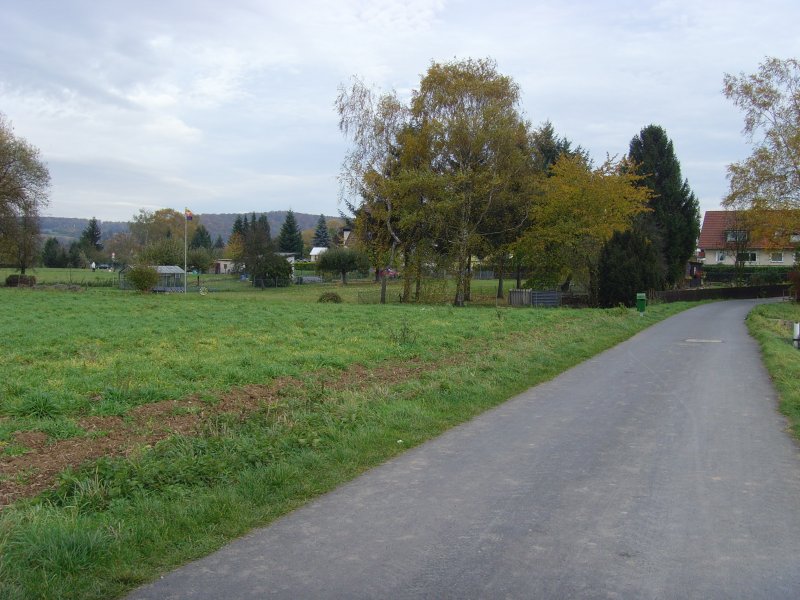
[38, 405]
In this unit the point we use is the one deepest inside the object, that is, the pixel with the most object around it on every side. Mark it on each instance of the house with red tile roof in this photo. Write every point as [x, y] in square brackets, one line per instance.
[726, 236]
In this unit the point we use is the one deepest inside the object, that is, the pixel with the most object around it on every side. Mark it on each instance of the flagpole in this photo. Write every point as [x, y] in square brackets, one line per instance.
[185, 228]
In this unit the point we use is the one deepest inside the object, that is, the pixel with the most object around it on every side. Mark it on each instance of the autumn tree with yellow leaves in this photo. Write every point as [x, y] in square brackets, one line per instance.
[579, 208]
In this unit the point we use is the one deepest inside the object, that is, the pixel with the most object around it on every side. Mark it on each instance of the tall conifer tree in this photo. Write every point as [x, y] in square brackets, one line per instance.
[238, 226]
[290, 238]
[90, 238]
[322, 238]
[674, 222]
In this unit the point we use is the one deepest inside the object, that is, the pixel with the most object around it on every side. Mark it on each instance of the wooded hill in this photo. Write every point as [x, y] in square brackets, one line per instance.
[69, 229]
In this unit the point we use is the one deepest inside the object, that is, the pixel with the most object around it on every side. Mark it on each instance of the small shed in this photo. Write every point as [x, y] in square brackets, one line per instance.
[223, 266]
[316, 252]
[170, 279]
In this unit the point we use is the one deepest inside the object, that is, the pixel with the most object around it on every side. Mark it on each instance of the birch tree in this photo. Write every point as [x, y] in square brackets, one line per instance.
[24, 187]
[468, 113]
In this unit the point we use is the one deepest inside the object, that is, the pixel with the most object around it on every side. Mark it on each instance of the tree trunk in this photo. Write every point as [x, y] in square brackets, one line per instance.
[383, 274]
[406, 278]
[502, 266]
[593, 285]
[461, 272]
[418, 276]
[468, 280]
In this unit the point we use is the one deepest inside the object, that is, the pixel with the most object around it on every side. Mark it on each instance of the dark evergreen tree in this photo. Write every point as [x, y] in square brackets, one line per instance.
[290, 238]
[74, 256]
[674, 222]
[629, 263]
[257, 244]
[53, 255]
[238, 226]
[547, 147]
[322, 238]
[201, 238]
[262, 228]
[220, 243]
[90, 238]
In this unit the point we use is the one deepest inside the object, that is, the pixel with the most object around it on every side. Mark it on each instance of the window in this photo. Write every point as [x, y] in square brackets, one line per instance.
[736, 236]
[720, 257]
[776, 257]
[746, 257]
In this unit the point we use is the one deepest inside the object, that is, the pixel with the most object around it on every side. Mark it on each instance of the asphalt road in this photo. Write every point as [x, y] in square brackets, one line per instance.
[659, 469]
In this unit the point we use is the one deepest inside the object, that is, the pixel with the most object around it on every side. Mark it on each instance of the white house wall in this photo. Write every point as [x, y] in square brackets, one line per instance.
[763, 258]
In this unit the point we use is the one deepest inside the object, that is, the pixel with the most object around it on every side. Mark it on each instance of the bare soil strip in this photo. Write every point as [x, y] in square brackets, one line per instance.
[28, 474]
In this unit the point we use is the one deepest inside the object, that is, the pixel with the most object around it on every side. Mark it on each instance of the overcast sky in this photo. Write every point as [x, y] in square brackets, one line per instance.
[228, 106]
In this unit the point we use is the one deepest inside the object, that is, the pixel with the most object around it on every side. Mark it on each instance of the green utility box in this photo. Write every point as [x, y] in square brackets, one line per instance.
[641, 302]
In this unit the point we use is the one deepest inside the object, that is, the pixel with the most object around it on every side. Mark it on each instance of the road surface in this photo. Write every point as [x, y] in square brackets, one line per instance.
[658, 469]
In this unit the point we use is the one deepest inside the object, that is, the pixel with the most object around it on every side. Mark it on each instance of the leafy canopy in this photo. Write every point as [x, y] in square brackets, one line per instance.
[770, 100]
[24, 188]
[342, 261]
[579, 209]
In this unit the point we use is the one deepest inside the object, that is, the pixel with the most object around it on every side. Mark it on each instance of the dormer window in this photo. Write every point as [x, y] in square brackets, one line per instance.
[735, 236]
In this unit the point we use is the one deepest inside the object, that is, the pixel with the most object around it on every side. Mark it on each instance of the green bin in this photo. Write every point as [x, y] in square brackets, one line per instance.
[641, 301]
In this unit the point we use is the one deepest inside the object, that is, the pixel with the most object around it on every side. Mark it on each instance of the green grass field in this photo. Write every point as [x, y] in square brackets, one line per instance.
[358, 290]
[286, 399]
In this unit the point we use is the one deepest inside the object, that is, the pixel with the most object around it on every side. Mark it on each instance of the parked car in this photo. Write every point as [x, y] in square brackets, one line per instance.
[390, 273]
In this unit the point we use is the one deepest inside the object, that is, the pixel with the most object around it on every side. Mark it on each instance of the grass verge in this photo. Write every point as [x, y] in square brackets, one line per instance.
[771, 325]
[368, 382]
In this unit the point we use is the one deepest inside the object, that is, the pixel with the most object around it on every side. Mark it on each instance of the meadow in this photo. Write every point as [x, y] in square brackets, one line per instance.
[138, 432]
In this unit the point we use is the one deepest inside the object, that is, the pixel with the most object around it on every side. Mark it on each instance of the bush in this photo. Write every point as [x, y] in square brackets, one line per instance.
[17, 280]
[271, 266]
[330, 297]
[794, 277]
[342, 261]
[142, 278]
[751, 274]
[629, 263]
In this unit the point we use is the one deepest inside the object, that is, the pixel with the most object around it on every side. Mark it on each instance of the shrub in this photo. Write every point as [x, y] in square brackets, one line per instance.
[330, 297]
[752, 274]
[142, 278]
[629, 263]
[17, 280]
[794, 277]
[342, 260]
[271, 266]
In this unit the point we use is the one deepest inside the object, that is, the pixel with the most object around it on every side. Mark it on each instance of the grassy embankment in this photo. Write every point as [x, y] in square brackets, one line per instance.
[771, 325]
[276, 399]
